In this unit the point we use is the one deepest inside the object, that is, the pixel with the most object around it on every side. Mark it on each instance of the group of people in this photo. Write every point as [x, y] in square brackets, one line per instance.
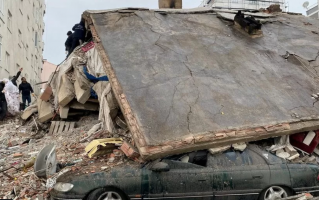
[10, 95]
[75, 38]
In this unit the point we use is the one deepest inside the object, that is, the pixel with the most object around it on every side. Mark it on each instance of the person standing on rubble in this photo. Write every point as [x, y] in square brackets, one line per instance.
[11, 93]
[15, 78]
[68, 42]
[3, 101]
[78, 35]
[26, 90]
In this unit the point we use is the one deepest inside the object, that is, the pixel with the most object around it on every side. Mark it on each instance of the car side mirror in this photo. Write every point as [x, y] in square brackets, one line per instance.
[160, 167]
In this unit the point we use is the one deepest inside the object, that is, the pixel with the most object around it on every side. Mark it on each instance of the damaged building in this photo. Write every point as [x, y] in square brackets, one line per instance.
[172, 81]
[186, 80]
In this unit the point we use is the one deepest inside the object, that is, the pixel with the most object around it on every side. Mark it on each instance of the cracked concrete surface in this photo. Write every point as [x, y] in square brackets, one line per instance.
[189, 74]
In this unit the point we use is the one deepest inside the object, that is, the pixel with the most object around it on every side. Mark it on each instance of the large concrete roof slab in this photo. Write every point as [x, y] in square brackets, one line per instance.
[192, 81]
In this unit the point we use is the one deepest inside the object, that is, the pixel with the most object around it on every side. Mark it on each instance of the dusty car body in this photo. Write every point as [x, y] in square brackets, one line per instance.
[250, 174]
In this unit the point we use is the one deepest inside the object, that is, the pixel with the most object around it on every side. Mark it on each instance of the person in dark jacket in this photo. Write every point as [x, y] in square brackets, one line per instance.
[78, 35]
[26, 90]
[15, 78]
[3, 102]
[68, 42]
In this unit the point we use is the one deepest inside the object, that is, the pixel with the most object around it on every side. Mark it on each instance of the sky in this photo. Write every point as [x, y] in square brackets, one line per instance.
[61, 15]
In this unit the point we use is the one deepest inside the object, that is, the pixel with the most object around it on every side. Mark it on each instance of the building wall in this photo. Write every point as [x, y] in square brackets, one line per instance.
[48, 69]
[313, 11]
[21, 44]
[244, 4]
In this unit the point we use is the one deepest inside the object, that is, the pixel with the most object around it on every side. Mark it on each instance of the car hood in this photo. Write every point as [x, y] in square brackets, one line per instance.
[87, 175]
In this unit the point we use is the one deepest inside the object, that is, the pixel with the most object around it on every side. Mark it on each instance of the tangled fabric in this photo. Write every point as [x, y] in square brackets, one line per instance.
[11, 93]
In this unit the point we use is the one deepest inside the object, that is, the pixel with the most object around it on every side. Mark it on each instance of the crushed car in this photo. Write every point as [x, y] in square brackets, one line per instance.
[251, 174]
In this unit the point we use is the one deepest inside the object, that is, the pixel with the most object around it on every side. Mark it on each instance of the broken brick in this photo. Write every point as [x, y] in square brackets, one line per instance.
[17, 155]
[129, 150]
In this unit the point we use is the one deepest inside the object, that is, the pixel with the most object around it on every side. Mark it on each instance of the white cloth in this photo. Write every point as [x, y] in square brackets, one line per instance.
[11, 93]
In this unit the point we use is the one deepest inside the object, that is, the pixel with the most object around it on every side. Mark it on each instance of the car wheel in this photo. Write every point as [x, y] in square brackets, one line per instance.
[275, 192]
[107, 194]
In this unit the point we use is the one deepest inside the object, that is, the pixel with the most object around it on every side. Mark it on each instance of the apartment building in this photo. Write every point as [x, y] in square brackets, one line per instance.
[21, 44]
[313, 11]
[242, 4]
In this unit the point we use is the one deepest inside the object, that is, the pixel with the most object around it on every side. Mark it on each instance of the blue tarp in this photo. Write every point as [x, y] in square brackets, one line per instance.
[93, 78]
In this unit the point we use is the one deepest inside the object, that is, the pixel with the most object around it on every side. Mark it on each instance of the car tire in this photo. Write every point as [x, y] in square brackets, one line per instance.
[275, 192]
[103, 193]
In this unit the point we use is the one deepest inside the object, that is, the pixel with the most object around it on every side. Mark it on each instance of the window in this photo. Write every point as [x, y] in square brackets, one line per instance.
[253, 2]
[235, 158]
[34, 10]
[36, 39]
[27, 52]
[0, 47]
[32, 61]
[18, 66]
[21, 6]
[234, 1]
[28, 22]
[9, 21]
[7, 61]
[20, 38]
[1, 6]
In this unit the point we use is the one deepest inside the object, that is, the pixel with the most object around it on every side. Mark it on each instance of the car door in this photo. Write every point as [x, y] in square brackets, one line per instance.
[238, 175]
[304, 177]
[279, 173]
[187, 181]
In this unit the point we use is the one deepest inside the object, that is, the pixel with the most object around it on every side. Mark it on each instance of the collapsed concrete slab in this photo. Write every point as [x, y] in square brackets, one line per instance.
[82, 87]
[66, 92]
[28, 112]
[186, 81]
[87, 106]
[45, 110]
[64, 112]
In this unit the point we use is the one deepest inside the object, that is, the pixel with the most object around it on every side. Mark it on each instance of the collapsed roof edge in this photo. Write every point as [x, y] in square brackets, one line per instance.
[190, 142]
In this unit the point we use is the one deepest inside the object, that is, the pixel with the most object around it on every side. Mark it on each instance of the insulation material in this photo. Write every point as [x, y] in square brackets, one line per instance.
[105, 111]
[102, 146]
[94, 63]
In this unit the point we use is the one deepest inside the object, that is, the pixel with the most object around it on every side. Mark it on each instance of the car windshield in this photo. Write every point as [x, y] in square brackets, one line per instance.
[250, 156]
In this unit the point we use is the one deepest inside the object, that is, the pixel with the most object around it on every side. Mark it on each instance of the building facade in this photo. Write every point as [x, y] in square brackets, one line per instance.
[48, 69]
[313, 11]
[242, 4]
[21, 44]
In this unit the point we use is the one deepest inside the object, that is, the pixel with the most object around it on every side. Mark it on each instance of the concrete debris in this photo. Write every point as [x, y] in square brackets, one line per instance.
[274, 8]
[282, 154]
[66, 92]
[28, 112]
[175, 4]
[219, 149]
[240, 146]
[304, 196]
[129, 150]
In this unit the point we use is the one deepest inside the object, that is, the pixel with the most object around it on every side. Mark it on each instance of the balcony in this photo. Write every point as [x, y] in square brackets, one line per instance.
[312, 10]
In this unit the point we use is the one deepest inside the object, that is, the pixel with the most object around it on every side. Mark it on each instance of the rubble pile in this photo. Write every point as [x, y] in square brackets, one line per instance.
[81, 144]
[19, 149]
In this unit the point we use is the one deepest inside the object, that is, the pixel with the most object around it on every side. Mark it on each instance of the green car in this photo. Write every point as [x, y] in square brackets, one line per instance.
[251, 174]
